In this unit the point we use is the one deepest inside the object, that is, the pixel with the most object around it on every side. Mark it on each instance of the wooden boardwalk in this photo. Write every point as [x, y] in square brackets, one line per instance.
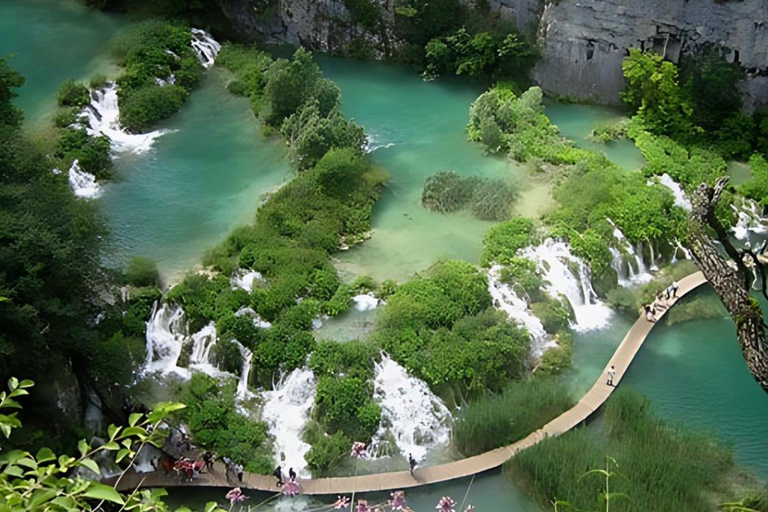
[588, 404]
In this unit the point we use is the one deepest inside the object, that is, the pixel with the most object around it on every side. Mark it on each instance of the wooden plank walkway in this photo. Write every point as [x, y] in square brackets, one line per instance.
[588, 404]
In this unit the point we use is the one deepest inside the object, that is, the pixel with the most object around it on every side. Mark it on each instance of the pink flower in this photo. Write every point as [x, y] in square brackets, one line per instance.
[341, 502]
[236, 495]
[358, 450]
[362, 506]
[398, 501]
[291, 489]
[446, 504]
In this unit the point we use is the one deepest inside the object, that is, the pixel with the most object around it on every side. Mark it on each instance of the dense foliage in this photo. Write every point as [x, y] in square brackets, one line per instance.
[663, 467]
[160, 70]
[500, 420]
[697, 104]
[213, 418]
[50, 249]
[442, 328]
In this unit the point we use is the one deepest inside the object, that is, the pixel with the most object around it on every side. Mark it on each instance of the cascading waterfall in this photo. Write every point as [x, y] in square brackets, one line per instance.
[245, 371]
[205, 46]
[366, 302]
[257, 320]
[244, 279]
[750, 219]
[416, 418]
[167, 335]
[82, 183]
[286, 411]
[103, 118]
[568, 276]
[679, 248]
[681, 199]
[628, 274]
[505, 299]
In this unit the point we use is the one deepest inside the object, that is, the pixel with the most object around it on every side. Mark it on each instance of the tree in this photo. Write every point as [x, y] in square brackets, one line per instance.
[731, 277]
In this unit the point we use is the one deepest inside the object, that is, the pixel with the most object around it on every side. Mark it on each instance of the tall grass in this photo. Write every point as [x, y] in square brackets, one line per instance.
[666, 468]
[499, 420]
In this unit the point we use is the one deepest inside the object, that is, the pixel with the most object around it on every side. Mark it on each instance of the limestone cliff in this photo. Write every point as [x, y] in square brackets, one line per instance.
[584, 41]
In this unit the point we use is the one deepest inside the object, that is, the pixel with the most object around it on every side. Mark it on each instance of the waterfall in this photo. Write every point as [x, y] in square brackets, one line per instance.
[681, 199]
[82, 183]
[568, 276]
[750, 218]
[632, 275]
[168, 334]
[679, 247]
[257, 320]
[410, 412]
[205, 46]
[366, 302]
[245, 371]
[103, 118]
[286, 411]
[505, 299]
[244, 279]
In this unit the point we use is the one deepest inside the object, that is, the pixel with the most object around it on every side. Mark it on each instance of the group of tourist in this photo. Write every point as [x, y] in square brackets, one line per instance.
[661, 302]
[278, 473]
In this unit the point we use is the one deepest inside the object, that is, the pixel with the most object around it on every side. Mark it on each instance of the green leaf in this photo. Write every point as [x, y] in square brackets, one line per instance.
[133, 431]
[112, 431]
[44, 455]
[82, 447]
[12, 456]
[122, 454]
[134, 418]
[65, 502]
[41, 496]
[99, 491]
[162, 410]
[26, 384]
[91, 464]
[13, 383]
[13, 471]
[111, 446]
[211, 506]
[27, 462]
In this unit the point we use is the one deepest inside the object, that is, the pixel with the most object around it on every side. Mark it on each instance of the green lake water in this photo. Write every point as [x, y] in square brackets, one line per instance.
[197, 183]
[208, 176]
[50, 41]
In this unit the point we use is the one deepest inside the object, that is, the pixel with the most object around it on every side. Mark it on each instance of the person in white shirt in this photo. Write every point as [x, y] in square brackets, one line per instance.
[611, 374]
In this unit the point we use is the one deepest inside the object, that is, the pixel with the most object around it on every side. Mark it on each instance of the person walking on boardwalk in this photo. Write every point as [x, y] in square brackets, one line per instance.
[611, 374]
[239, 471]
[411, 464]
[673, 290]
[228, 465]
[292, 474]
[278, 473]
[208, 459]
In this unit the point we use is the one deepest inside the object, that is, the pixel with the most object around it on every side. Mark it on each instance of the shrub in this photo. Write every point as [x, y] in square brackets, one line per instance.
[447, 191]
[198, 294]
[73, 94]
[523, 407]
[352, 358]
[93, 153]
[346, 404]
[115, 360]
[142, 272]
[143, 107]
[327, 451]
[503, 240]
[65, 117]
[215, 424]
[226, 356]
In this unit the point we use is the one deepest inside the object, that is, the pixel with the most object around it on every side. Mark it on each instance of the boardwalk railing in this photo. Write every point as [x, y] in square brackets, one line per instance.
[588, 404]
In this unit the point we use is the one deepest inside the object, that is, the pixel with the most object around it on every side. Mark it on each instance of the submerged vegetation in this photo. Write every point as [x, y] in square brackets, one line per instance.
[488, 199]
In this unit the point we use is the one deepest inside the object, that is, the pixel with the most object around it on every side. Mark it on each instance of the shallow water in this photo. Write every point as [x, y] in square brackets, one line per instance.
[197, 183]
[50, 41]
[695, 375]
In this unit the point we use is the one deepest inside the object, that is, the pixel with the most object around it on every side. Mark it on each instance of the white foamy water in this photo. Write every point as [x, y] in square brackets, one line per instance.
[286, 411]
[103, 118]
[244, 279]
[168, 334]
[750, 219]
[569, 277]
[628, 262]
[416, 418]
[257, 320]
[505, 299]
[366, 302]
[82, 183]
[205, 46]
[245, 371]
[681, 199]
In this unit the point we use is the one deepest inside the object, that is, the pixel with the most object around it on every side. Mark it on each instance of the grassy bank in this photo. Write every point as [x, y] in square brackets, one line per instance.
[663, 467]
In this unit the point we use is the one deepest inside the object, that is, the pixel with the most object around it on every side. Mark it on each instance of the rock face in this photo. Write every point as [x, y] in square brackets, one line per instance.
[584, 41]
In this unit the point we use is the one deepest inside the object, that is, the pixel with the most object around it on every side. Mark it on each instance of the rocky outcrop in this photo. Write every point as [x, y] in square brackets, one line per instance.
[584, 41]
